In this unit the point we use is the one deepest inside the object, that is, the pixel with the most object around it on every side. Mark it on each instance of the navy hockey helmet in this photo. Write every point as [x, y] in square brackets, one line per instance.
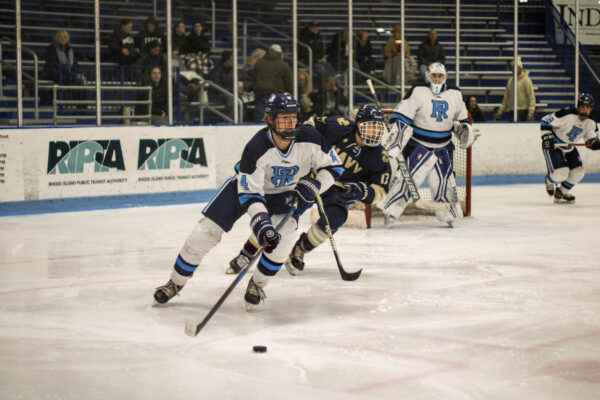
[371, 125]
[282, 103]
[585, 99]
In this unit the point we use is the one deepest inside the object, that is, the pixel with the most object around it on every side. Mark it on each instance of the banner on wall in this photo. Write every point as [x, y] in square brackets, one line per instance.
[11, 168]
[589, 19]
[81, 162]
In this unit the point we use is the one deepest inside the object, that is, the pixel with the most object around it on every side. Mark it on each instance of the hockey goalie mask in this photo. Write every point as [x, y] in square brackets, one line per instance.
[436, 77]
[371, 125]
[282, 111]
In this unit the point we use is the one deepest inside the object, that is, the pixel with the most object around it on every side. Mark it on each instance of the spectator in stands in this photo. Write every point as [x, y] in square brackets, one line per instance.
[525, 96]
[153, 58]
[363, 52]
[430, 51]
[61, 63]
[122, 45]
[337, 51]
[271, 75]
[474, 110]
[197, 50]
[222, 75]
[159, 97]
[392, 72]
[305, 94]
[311, 36]
[149, 34]
[177, 61]
[248, 70]
[178, 36]
[329, 98]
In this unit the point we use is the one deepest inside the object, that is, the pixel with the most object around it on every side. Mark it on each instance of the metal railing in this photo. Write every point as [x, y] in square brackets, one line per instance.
[56, 102]
[36, 105]
[213, 107]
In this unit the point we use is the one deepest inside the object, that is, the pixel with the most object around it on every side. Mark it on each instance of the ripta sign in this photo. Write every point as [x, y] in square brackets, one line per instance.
[161, 153]
[72, 157]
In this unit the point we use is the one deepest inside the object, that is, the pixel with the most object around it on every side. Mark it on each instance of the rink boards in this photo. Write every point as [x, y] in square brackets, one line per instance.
[142, 163]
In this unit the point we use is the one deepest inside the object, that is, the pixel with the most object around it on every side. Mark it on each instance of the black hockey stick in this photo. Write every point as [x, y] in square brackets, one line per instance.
[192, 329]
[346, 276]
[410, 183]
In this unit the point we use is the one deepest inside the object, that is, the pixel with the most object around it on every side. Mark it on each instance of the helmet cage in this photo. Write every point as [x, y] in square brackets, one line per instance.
[371, 132]
[282, 103]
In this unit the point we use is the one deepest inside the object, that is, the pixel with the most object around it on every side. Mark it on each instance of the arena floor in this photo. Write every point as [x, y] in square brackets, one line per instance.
[504, 306]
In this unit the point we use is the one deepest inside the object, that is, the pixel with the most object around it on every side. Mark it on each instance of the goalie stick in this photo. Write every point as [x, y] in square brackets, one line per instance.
[410, 183]
[192, 329]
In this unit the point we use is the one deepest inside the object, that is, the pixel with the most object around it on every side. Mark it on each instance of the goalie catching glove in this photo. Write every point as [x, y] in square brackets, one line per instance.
[594, 144]
[548, 141]
[265, 232]
[355, 191]
[465, 134]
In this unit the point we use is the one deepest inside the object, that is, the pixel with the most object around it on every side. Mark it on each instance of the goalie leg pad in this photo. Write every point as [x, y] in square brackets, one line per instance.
[443, 185]
[420, 162]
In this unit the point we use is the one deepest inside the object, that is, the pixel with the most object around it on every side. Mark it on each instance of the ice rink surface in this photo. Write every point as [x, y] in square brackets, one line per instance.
[504, 306]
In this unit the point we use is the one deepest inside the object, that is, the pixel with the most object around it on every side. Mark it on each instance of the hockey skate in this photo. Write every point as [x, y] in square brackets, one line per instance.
[254, 294]
[166, 292]
[388, 221]
[560, 197]
[295, 262]
[236, 265]
[550, 187]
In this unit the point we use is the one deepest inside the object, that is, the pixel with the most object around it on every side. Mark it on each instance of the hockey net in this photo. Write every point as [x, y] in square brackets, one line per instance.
[462, 174]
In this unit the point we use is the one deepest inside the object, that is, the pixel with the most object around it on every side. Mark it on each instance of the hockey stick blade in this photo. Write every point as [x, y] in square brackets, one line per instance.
[432, 205]
[192, 329]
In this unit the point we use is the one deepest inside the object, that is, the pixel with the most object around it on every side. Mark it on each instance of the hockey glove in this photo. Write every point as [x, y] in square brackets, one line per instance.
[465, 134]
[594, 144]
[354, 192]
[307, 190]
[548, 142]
[265, 232]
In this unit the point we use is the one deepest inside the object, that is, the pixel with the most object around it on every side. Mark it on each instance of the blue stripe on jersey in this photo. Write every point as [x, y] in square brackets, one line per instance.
[425, 132]
[247, 197]
[544, 123]
[401, 117]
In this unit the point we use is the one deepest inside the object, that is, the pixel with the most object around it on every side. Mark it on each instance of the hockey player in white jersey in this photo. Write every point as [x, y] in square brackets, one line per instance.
[423, 123]
[273, 171]
[569, 125]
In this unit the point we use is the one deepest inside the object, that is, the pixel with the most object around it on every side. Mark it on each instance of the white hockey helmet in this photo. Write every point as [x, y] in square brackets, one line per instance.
[437, 85]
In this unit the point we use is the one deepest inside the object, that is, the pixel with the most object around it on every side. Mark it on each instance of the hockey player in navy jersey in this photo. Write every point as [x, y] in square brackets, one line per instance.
[423, 123]
[274, 169]
[569, 125]
[365, 178]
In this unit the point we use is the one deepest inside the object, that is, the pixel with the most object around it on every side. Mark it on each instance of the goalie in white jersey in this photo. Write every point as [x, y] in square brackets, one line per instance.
[569, 125]
[423, 123]
[274, 169]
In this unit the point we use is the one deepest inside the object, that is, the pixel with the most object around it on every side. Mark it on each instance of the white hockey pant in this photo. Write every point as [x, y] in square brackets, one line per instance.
[567, 177]
[205, 235]
[270, 263]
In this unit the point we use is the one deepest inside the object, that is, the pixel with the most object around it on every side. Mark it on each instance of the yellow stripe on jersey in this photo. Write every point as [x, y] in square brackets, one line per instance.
[316, 236]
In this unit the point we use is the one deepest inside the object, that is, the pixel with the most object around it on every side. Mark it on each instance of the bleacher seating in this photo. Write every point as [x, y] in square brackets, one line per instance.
[486, 45]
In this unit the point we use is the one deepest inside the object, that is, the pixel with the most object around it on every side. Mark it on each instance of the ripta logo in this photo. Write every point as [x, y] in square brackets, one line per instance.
[72, 157]
[159, 154]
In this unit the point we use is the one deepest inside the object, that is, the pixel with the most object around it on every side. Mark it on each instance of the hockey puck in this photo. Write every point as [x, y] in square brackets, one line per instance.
[259, 349]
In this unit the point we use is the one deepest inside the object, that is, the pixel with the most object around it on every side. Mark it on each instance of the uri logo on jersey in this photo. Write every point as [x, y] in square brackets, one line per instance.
[575, 131]
[283, 175]
[439, 110]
